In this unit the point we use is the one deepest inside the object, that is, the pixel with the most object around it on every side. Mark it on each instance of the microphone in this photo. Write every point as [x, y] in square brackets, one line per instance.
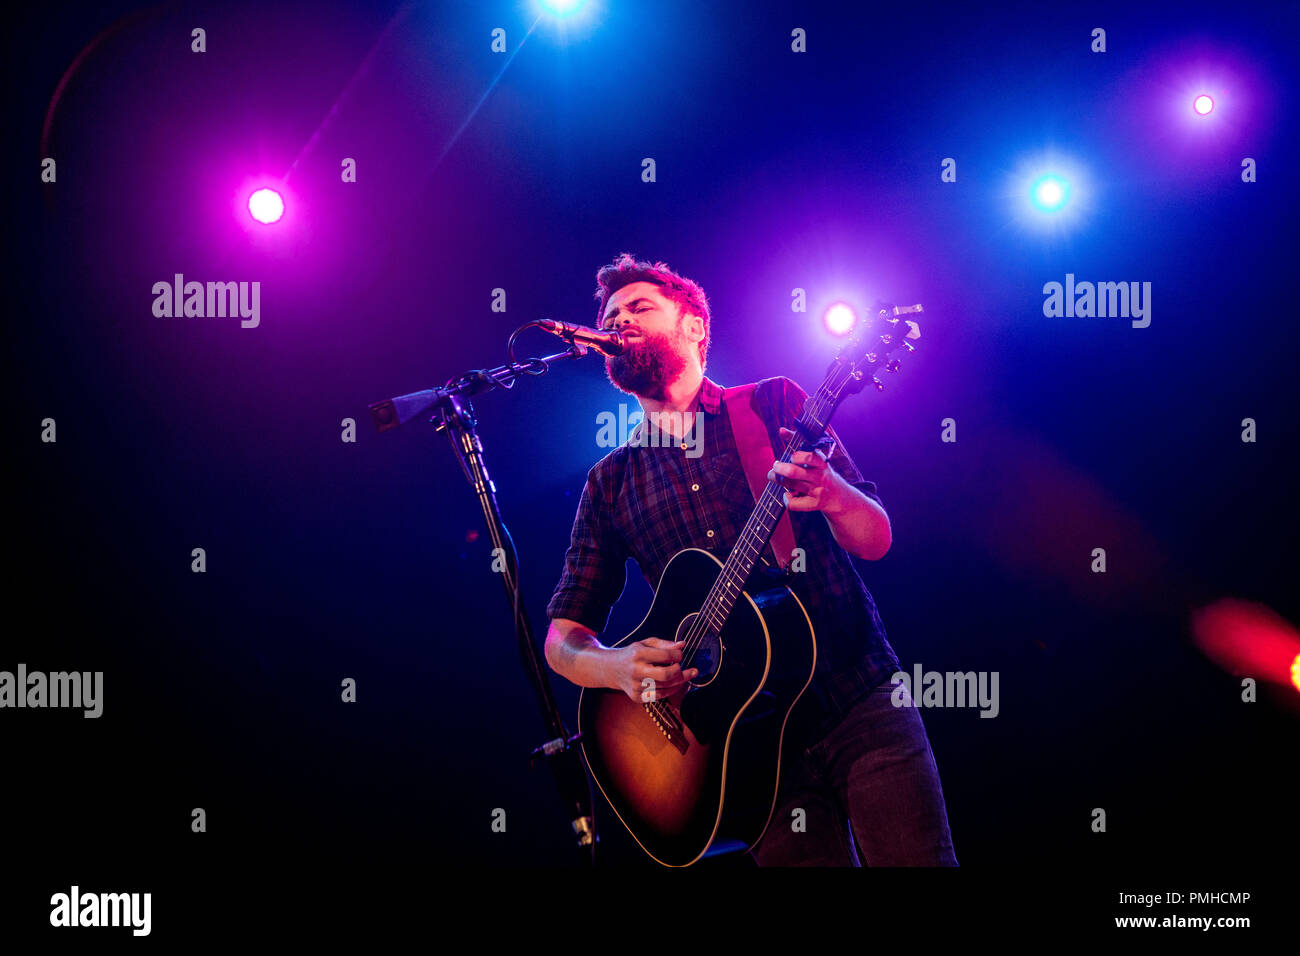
[606, 343]
[388, 414]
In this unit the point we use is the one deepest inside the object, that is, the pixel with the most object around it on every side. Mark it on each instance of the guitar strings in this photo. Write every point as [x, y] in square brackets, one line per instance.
[715, 609]
[710, 611]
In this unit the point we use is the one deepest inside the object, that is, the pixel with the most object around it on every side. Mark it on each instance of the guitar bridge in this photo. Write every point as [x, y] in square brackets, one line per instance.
[668, 723]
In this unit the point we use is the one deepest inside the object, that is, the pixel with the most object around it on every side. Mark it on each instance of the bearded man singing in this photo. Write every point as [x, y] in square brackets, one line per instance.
[859, 768]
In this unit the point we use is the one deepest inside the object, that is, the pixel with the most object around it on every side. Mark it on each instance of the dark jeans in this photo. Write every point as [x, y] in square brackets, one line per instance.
[869, 791]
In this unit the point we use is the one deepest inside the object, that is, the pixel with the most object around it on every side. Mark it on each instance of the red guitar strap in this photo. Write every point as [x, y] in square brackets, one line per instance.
[757, 455]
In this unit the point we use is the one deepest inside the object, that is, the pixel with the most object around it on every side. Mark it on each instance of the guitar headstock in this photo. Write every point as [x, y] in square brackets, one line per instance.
[875, 345]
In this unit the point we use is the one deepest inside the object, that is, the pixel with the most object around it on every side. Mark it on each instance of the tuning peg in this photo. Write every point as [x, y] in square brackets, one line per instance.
[880, 386]
[893, 365]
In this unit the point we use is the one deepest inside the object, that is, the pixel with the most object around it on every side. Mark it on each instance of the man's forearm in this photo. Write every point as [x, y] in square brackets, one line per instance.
[859, 524]
[574, 653]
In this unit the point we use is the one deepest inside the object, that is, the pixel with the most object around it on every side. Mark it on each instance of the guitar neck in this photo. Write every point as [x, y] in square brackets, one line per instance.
[849, 373]
[767, 512]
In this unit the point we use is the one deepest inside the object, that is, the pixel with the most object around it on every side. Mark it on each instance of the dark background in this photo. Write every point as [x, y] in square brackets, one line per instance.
[328, 560]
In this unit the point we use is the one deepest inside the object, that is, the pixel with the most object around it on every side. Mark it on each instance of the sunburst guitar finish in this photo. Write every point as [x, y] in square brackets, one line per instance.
[702, 768]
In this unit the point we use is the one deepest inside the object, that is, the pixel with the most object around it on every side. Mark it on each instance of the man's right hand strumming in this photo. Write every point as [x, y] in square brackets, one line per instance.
[574, 653]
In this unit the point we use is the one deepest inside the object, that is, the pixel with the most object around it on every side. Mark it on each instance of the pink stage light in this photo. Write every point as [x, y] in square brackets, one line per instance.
[1203, 104]
[266, 206]
[840, 319]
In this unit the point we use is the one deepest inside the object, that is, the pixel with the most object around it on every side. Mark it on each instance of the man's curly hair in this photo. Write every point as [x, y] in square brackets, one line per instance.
[686, 293]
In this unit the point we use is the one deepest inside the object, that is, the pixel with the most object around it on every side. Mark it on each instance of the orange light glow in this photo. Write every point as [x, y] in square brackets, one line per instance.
[1249, 640]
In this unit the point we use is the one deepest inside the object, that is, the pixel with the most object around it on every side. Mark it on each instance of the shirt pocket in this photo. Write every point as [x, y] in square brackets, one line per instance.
[722, 467]
[726, 478]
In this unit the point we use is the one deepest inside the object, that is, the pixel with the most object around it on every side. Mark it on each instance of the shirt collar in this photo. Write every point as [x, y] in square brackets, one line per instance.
[710, 403]
[711, 397]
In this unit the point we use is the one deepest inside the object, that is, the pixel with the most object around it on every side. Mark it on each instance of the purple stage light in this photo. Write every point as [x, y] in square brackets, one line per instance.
[840, 319]
[1235, 105]
[266, 206]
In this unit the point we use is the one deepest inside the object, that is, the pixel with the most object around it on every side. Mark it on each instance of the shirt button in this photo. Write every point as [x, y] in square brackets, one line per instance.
[683, 446]
[695, 487]
[709, 533]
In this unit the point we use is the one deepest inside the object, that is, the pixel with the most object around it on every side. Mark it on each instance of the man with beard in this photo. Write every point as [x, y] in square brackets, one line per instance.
[859, 768]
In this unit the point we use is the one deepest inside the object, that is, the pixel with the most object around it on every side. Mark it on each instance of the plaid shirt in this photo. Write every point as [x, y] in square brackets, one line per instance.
[649, 499]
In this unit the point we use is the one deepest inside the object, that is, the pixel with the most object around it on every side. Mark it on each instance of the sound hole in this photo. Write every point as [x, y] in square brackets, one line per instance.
[702, 651]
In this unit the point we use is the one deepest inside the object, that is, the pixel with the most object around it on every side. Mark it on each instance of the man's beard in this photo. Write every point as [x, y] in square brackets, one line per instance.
[647, 365]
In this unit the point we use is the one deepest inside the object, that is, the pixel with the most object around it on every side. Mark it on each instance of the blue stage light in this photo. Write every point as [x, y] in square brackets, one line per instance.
[1050, 193]
[561, 8]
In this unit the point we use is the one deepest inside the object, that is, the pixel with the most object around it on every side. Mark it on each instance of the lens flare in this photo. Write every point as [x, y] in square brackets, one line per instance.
[1249, 639]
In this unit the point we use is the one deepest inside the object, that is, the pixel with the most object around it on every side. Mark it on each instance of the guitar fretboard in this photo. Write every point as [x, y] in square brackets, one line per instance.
[767, 512]
[846, 374]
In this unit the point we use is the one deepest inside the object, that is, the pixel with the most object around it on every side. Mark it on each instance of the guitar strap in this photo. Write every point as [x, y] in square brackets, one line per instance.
[757, 455]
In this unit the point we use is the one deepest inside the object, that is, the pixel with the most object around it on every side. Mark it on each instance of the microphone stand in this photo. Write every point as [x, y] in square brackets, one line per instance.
[453, 414]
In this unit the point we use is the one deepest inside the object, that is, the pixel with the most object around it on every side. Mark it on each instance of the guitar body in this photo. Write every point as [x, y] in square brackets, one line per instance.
[702, 768]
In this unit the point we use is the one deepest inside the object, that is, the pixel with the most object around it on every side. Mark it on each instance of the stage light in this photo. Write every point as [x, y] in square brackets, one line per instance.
[1050, 193]
[840, 319]
[266, 206]
[567, 21]
[561, 8]
[1203, 104]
